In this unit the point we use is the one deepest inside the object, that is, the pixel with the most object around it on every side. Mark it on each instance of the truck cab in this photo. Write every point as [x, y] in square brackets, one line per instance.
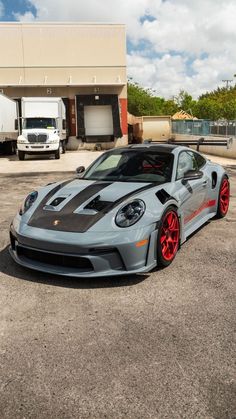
[42, 127]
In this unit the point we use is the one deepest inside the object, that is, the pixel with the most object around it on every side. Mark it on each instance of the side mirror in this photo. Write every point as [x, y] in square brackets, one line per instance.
[193, 175]
[80, 170]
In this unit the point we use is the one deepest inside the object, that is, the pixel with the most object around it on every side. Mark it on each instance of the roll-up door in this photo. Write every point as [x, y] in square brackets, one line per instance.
[98, 120]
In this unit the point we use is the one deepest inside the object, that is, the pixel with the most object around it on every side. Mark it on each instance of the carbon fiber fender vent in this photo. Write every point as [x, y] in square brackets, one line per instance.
[163, 196]
[97, 204]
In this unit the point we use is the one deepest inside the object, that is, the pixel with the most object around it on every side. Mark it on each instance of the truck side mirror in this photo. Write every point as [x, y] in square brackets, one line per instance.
[16, 125]
[64, 124]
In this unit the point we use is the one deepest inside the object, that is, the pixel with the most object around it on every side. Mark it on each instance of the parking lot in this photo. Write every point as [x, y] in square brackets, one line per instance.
[160, 345]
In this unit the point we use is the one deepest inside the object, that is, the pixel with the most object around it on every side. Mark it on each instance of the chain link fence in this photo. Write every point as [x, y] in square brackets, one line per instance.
[204, 127]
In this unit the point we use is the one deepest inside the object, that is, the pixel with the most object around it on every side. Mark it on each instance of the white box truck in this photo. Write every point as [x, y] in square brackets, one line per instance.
[8, 124]
[43, 127]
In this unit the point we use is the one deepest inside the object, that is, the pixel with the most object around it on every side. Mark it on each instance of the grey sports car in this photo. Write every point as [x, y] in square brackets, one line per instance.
[127, 213]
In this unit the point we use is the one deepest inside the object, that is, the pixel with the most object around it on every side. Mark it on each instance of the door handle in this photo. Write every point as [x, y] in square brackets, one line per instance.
[205, 183]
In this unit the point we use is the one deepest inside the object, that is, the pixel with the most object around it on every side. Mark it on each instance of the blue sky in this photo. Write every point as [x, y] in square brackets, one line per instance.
[16, 6]
[171, 44]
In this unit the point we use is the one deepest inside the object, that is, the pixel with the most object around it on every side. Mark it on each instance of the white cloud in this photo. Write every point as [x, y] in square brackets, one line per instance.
[26, 17]
[169, 74]
[193, 42]
[1, 9]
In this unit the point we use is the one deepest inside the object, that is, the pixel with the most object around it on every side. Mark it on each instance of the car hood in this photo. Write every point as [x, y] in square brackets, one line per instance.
[77, 205]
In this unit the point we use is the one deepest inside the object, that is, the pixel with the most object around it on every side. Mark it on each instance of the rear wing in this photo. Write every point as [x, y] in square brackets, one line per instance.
[224, 142]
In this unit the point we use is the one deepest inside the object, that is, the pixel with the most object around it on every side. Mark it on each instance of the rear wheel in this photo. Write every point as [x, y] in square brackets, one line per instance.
[223, 198]
[21, 155]
[10, 148]
[168, 237]
[57, 153]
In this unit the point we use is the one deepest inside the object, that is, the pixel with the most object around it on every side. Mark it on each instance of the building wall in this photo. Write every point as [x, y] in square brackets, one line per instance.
[62, 54]
[64, 59]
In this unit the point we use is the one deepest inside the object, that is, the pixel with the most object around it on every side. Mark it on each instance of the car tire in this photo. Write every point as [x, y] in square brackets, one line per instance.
[21, 155]
[223, 198]
[168, 237]
[57, 154]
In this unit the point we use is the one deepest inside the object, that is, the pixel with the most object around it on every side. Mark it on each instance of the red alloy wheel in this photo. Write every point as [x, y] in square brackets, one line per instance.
[169, 238]
[224, 196]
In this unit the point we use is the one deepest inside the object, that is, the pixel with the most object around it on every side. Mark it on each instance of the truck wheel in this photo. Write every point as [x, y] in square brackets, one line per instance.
[57, 153]
[21, 155]
[10, 148]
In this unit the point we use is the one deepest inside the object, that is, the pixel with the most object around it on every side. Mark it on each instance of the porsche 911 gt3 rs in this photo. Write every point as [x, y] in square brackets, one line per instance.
[127, 213]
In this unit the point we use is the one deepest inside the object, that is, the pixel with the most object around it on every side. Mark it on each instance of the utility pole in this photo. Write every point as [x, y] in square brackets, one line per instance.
[227, 81]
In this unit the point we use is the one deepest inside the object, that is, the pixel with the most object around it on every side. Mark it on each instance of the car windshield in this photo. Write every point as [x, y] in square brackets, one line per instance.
[31, 123]
[132, 166]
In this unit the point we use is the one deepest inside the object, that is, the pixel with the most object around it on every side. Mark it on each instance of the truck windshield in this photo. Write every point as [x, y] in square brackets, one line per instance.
[30, 123]
[130, 165]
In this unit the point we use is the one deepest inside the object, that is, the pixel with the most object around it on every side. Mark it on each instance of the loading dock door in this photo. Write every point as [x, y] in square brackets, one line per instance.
[98, 120]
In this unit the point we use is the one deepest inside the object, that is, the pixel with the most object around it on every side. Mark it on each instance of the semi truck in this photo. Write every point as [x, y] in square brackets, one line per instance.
[8, 125]
[43, 127]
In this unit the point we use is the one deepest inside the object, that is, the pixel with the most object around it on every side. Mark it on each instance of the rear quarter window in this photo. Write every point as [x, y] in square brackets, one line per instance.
[201, 161]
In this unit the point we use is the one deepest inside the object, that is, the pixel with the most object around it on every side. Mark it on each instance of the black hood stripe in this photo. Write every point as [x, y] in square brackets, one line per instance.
[85, 222]
[130, 194]
[68, 221]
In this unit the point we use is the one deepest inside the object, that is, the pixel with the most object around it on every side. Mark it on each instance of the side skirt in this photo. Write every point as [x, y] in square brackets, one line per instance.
[197, 225]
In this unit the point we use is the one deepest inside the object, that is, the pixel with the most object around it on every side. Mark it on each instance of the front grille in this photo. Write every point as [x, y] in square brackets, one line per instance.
[37, 138]
[48, 258]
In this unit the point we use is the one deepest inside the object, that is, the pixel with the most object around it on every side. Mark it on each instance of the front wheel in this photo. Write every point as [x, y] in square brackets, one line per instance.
[57, 154]
[21, 155]
[168, 237]
[223, 198]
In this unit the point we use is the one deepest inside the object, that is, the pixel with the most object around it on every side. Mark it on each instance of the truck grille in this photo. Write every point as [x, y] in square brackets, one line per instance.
[37, 138]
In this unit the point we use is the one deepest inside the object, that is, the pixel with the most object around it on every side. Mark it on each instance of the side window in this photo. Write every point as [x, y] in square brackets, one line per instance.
[186, 162]
[200, 160]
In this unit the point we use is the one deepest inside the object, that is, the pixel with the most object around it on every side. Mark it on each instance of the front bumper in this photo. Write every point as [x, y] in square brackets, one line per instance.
[37, 147]
[115, 258]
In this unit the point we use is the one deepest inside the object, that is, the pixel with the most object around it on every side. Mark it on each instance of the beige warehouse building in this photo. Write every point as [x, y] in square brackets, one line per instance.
[85, 64]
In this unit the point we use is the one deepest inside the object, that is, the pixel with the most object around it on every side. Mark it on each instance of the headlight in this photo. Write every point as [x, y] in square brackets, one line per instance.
[53, 140]
[130, 213]
[22, 140]
[28, 202]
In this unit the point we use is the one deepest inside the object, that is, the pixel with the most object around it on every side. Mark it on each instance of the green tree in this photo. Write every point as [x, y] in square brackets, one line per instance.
[169, 107]
[142, 102]
[207, 108]
[185, 102]
[218, 104]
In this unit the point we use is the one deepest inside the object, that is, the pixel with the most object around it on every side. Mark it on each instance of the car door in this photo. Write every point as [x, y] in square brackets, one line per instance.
[192, 193]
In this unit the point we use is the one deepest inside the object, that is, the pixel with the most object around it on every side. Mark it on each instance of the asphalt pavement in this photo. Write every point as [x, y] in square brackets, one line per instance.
[160, 345]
